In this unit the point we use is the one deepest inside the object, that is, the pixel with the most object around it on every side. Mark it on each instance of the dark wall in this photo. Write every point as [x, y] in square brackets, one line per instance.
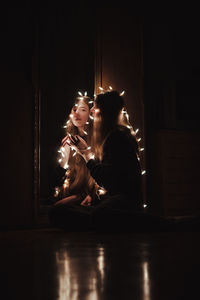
[172, 95]
[17, 114]
[66, 66]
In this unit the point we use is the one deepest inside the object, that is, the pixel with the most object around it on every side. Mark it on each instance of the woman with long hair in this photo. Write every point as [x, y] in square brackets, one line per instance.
[77, 184]
[116, 166]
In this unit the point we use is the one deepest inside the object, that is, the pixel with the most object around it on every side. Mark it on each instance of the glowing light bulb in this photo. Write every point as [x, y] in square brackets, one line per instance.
[64, 126]
[85, 94]
[85, 132]
[141, 149]
[101, 191]
[127, 116]
[91, 156]
[88, 148]
[139, 139]
[87, 123]
[122, 93]
[101, 89]
[90, 102]
[74, 153]
[80, 93]
[137, 130]
[60, 160]
[110, 87]
[91, 117]
[143, 172]
[56, 192]
[66, 166]
[144, 205]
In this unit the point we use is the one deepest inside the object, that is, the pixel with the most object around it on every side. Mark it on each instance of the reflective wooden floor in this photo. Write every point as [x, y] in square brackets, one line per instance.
[47, 264]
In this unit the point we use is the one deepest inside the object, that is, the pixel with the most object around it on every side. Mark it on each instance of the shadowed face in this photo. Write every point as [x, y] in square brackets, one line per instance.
[79, 114]
[95, 111]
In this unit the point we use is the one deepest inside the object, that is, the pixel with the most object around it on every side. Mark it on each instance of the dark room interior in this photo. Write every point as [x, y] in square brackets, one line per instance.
[50, 53]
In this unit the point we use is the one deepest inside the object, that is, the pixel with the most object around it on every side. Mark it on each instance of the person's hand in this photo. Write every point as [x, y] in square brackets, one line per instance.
[87, 201]
[75, 142]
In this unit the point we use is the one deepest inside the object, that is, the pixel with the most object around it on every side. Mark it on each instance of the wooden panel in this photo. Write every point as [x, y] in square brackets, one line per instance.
[178, 162]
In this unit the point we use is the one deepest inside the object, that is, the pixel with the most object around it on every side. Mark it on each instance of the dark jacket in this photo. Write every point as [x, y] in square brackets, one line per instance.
[119, 172]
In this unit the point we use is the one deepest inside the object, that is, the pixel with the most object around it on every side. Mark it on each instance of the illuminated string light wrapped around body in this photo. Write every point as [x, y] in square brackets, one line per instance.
[77, 179]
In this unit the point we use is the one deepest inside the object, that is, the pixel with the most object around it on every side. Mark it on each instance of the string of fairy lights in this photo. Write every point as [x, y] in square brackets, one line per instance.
[61, 151]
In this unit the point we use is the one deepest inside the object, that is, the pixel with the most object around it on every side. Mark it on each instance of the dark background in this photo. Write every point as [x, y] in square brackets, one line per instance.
[52, 50]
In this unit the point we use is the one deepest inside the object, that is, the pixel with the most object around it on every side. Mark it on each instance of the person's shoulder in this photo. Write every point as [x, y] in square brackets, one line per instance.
[121, 131]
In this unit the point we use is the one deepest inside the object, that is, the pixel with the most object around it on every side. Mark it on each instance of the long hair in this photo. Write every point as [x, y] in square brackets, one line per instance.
[78, 180]
[110, 113]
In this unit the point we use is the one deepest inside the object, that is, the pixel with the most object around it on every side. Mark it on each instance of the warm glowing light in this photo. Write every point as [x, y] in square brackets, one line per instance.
[91, 117]
[80, 93]
[85, 94]
[66, 166]
[101, 191]
[87, 123]
[90, 102]
[64, 126]
[56, 192]
[141, 149]
[88, 148]
[139, 139]
[127, 116]
[74, 153]
[122, 93]
[85, 132]
[68, 121]
[71, 116]
[129, 127]
[144, 205]
[91, 156]
[137, 130]
[110, 87]
[60, 160]
[101, 89]
[143, 172]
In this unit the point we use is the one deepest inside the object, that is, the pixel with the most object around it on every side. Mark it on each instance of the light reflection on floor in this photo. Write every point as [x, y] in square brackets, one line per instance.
[75, 279]
[146, 281]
